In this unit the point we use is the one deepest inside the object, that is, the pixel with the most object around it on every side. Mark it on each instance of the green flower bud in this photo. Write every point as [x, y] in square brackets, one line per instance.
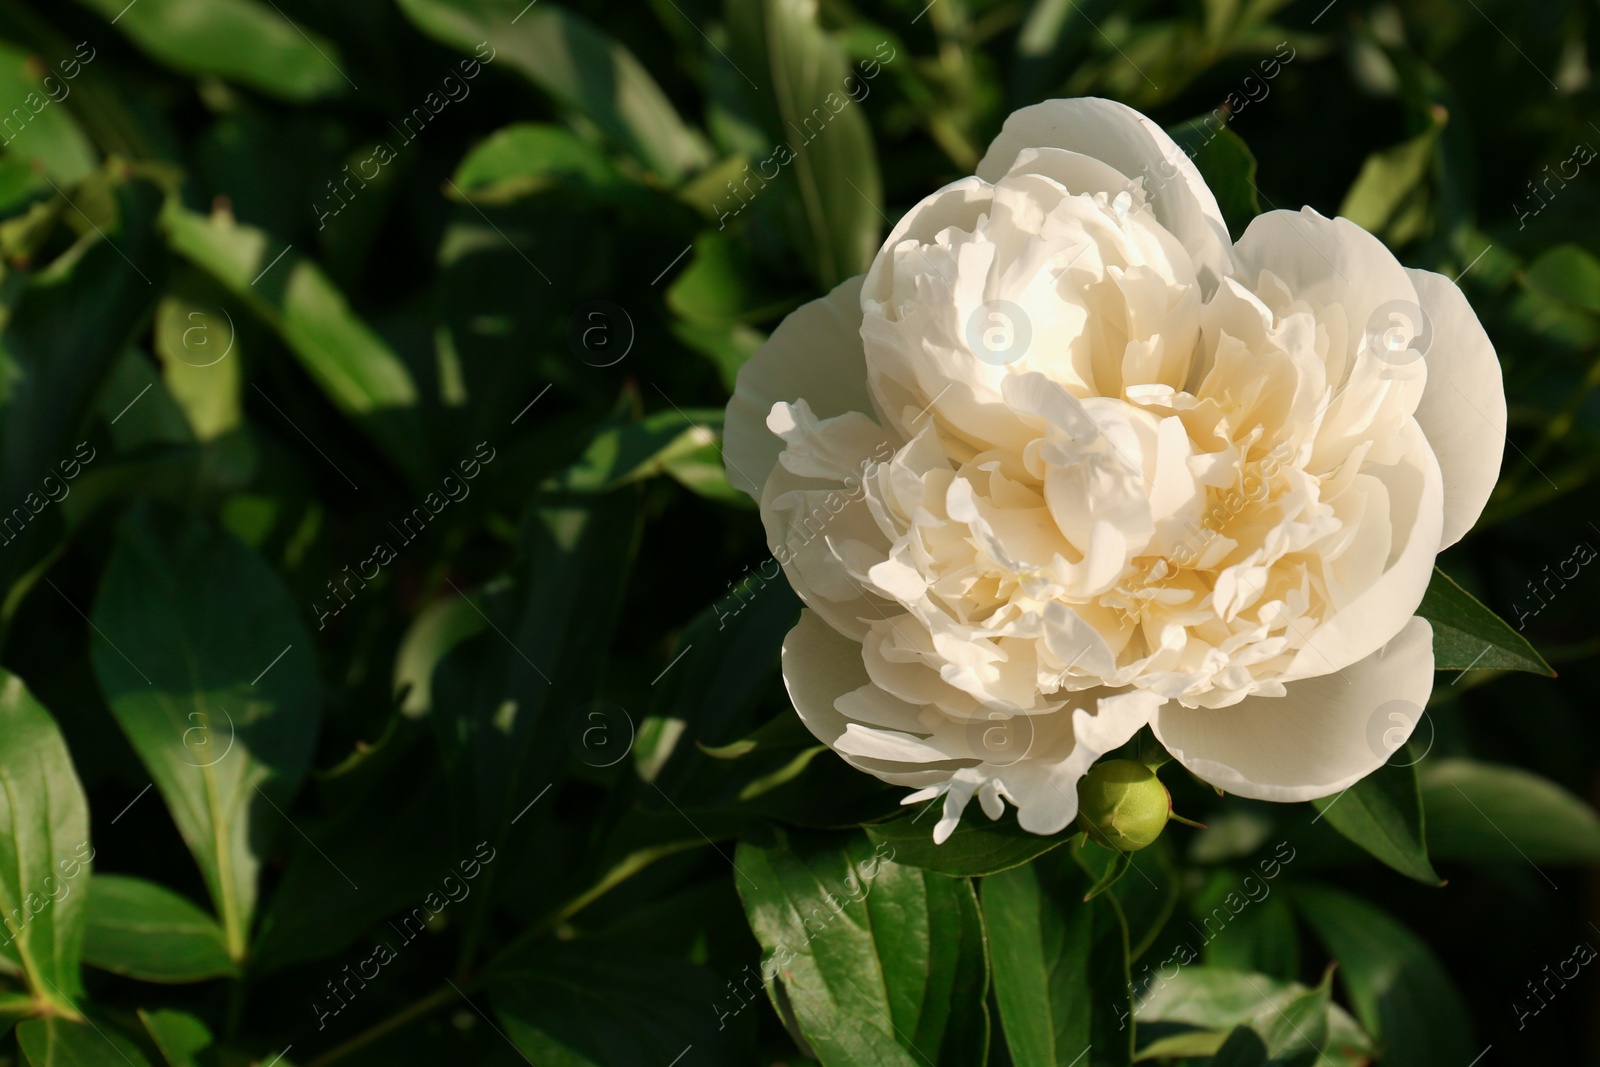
[1123, 805]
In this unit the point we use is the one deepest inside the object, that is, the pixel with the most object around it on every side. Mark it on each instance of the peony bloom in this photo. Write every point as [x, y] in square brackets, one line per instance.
[1066, 462]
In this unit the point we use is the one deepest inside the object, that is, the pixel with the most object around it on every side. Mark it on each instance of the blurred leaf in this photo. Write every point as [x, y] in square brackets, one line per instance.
[1389, 176]
[39, 129]
[44, 832]
[529, 158]
[357, 371]
[1396, 984]
[178, 1036]
[206, 666]
[197, 343]
[1566, 273]
[1468, 635]
[1242, 1048]
[583, 1005]
[643, 449]
[436, 630]
[1228, 167]
[581, 68]
[241, 40]
[1060, 966]
[1261, 934]
[69, 324]
[877, 962]
[1489, 813]
[143, 930]
[836, 196]
[54, 1042]
[1383, 813]
[973, 849]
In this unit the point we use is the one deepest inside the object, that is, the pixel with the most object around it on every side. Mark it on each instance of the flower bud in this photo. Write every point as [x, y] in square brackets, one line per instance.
[1123, 805]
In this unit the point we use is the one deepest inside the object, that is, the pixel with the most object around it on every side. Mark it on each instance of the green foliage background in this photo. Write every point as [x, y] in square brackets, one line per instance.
[390, 674]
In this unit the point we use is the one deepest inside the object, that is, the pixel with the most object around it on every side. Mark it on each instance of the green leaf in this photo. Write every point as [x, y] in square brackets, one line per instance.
[1243, 1048]
[178, 1036]
[972, 850]
[204, 662]
[240, 40]
[69, 324]
[1105, 867]
[1567, 273]
[823, 161]
[1227, 165]
[44, 849]
[594, 1005]
[196, 340]
[637, 450]
[1468, 635]
[40, 127]
[143, 930]
[875, 962]
[1060, 966]
[55, 1042]
[354, 367]
[1389, 176]
[581, 68]
[1397, 986]
[1290, 1019]
[528, 158]
[1489, 813]
[1383, 813]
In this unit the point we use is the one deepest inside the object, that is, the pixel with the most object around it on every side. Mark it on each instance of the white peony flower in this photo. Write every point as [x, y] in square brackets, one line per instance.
[1066, 462]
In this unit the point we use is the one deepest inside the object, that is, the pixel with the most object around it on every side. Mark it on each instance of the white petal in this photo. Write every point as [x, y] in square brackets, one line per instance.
[1325, 734]
[814, 354]
[1116, 134]
[1463, 410]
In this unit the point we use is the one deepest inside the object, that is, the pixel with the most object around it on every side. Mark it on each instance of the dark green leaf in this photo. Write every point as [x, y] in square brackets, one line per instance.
[822, 158]
[1395, 983]
[1389, 176]
[1243, 1048]
[877, 962]
[579, 66]
[59, 1043]
[528, 158]
[1060, 966]
[143, 930]
[39, 128]
[44, 848]
[357, 370]
[1290, 1019]
[203, 659]
[587, 1005]
[1489, 813]
[1468, 635]
[1567, 273]
[1383, 813]
[241, 40]
[975, 848]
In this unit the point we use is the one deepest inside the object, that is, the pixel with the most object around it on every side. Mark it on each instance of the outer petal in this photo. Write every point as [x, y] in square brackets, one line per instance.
[814, 354]
[1325, 734]
[1463, 410]
[1116, 134]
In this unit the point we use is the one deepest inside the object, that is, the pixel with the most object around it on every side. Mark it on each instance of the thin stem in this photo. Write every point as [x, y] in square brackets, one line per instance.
[438, 998]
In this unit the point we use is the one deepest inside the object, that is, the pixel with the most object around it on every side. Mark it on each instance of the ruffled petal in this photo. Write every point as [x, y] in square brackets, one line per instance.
[814, 354]
[1323, 735]
[1463, 410]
